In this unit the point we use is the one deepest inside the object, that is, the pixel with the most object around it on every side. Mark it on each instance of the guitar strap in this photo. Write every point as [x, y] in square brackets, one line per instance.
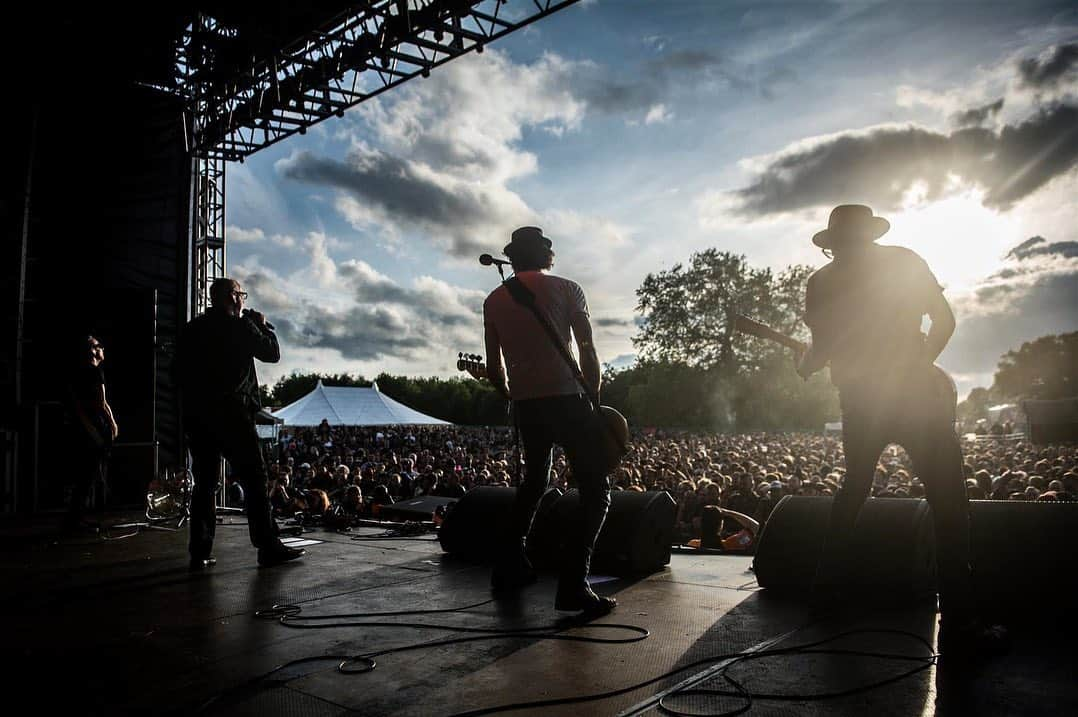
[524, 296]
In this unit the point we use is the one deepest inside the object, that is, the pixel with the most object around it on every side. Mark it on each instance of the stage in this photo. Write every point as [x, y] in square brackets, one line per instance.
[122, 626]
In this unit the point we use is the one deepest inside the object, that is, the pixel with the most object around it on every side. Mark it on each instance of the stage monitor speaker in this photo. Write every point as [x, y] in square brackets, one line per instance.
[1023, 556]
[892, 553]
[635, 539]
[475, 523]
[417, 509]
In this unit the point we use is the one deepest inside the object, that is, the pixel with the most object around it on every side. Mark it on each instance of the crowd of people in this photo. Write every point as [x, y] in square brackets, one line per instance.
[350, 472]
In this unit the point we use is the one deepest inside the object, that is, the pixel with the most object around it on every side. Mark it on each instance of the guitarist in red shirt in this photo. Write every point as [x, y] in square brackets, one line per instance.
[550, 407]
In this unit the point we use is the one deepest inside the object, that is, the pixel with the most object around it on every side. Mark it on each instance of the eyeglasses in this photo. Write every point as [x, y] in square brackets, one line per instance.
[241, 294]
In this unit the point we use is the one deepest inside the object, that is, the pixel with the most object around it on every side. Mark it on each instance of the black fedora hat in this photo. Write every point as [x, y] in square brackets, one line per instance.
[853, 222]
[526, 237]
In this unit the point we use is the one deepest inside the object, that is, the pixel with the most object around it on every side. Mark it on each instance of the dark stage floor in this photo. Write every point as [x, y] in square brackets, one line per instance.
[122, 626]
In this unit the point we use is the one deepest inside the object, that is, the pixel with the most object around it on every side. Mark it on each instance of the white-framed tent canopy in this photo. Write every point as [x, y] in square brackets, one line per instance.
[351, 406]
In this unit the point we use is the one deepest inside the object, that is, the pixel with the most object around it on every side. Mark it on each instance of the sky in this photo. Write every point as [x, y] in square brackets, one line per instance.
[636, 133]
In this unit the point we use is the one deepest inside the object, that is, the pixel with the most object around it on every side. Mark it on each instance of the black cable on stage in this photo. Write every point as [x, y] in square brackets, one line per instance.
[739, 690]
[288, 616]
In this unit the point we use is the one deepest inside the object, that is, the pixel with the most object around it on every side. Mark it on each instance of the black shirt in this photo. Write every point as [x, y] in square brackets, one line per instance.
[215, 360]
[865, 313]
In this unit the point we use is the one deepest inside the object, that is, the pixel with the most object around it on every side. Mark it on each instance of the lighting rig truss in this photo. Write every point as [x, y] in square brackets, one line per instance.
[237, 109]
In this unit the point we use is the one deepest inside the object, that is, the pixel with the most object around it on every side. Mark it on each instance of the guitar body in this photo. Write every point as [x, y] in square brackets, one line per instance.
[615, 441]
[615, 436]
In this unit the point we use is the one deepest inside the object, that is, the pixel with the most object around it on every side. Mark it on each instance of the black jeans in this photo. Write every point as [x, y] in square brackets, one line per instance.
[228, 431]
[89, 467]
[917, 411]
[570, 422]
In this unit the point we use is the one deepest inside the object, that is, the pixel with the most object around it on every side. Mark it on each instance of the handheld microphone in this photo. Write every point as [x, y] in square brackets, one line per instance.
[268, 324]
[487, 260]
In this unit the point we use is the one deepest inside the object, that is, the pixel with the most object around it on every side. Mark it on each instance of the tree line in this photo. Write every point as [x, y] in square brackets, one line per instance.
[694, 371]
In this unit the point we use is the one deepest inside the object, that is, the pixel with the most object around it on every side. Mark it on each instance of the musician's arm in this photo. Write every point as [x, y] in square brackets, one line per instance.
[108, 412]
[943, 325]
[817, 355]
[495, 369]
[589, 359]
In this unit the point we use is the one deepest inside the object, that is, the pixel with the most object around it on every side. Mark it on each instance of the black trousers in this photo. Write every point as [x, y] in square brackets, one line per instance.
[917, 411]
[89, 467]
[569, 422]
[227, 431]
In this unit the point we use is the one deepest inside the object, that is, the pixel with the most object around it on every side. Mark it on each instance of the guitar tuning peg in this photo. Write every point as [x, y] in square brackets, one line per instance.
[460, 354]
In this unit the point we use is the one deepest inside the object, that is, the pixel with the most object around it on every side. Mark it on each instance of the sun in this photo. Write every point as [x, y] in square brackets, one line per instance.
[962, 240]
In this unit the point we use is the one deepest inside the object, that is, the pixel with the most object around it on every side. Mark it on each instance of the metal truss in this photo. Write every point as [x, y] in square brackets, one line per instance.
[239, 109]
[237, 106]
[207, 229]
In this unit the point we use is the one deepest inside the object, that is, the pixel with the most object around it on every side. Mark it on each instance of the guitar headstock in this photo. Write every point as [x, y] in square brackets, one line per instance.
[473, 364]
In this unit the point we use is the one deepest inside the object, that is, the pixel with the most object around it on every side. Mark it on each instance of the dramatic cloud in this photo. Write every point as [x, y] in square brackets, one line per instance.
[361, 314]
[880, 164]
[457, 214]
[440, 153]
[1051, 68]
[978, 115]
[655, 80]
[1032, 295]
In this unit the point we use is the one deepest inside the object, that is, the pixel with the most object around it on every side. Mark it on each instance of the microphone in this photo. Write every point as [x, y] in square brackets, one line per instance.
[487, 260]
[269, 326]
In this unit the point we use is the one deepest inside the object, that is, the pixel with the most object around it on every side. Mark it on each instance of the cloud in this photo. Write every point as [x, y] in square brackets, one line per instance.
[978, 115]
[656, 80]
[622, 361]
[241, 235]
[880, 164]
[1051, 68]
[458, 215]
[612, 321]
[360, 314]
[438, 155]
[1033, 294]
[658, 114]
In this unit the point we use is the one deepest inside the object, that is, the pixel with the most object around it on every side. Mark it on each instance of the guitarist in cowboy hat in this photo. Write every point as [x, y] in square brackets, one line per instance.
[550, 408]
[865, 310]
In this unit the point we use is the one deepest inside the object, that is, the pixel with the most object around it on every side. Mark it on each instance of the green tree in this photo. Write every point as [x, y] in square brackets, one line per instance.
[976, 405]
[1043, 368]
[688, 310]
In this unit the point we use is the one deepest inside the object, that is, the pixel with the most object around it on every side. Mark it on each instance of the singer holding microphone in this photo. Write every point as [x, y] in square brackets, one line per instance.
[219, 393]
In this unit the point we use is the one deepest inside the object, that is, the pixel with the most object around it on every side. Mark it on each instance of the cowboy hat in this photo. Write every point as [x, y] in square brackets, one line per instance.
[526, 237]
[853, 222]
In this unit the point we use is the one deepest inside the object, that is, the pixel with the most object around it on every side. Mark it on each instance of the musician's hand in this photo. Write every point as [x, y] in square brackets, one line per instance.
[115, 431]
[256, 316]
[799, 356]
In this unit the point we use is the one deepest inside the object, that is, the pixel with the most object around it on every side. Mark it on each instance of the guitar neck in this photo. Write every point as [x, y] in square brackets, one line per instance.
[754, 328]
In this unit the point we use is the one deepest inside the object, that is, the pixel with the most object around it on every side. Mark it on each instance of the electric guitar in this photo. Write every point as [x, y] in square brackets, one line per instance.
[762, 331]
[616, 428]
[944, 383]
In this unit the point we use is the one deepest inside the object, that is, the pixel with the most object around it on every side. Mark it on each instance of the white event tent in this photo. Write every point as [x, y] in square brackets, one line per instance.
[351, 406]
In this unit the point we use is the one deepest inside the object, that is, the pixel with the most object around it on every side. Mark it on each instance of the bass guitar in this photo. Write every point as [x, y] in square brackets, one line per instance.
[615, 427]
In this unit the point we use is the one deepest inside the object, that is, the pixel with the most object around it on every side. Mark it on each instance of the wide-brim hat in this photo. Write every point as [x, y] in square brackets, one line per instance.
[851, 222]
[526, 237]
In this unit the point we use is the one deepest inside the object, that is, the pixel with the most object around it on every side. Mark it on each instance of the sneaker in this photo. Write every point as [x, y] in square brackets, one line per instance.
[584, 601]
[280, 553]
[202, 563]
